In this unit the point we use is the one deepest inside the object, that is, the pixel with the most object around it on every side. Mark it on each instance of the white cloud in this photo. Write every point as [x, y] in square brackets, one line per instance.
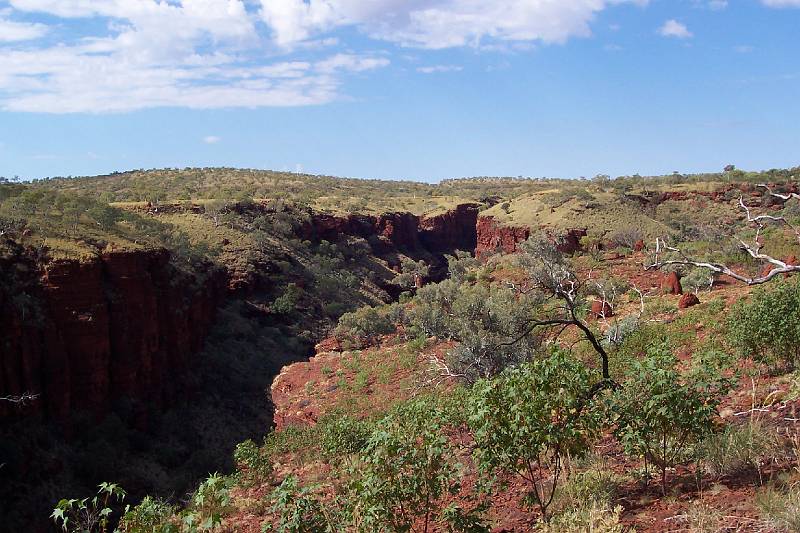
[136, 54]
[11, 31]
[673, 28]
[193, 53]
[211, 139]
[781, 3]
[439, 68]
[351, 63]
[436, 24]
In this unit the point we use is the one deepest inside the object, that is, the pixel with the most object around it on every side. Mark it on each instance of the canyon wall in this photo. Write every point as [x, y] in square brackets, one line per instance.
[494, 237]
[121, 328]
[87, 335]
[438, 234]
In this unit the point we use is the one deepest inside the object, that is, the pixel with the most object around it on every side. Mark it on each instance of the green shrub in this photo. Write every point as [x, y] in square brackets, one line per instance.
[591, 517]
[210, 502]
[150, 516]
[661, 411]
[289, 439]
[88, 515]
[528, 420]
[483, 319]
[286, 303]
[343, 436]
[254, 466]
[598, 485]
[766, 327]
[403, 472]
[364, 326]
[462, 267]
[411, 272]
[698, 279]
[300, 510]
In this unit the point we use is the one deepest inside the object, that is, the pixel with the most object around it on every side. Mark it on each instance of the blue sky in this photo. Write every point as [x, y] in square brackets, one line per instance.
[414, 89]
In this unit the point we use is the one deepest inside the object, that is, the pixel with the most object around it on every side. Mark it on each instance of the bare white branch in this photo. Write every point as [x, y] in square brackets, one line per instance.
[778, 267]
[22, 399]
[778, 195]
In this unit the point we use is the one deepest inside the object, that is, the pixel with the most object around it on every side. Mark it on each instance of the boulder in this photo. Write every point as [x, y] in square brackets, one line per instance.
[688, 300]
[639, 246]
[672, 284]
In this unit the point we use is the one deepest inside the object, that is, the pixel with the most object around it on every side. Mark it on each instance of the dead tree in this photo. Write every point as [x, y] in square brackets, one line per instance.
[754, 249]
[549, 273]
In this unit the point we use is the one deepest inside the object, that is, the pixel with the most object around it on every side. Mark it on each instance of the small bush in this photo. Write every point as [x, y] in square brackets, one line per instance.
[585, 502]
[343, 437]
[702, 518]
[289, 439]
[150, 516]
[254, 466]
[766, 327]
[300, 510]
[591, 517]
[627, 237]
[527, 421]
[364, 326]
[88, 515]
[662, 411]
[286, 303]
[404, 471]
[210, 502]
[412, 272]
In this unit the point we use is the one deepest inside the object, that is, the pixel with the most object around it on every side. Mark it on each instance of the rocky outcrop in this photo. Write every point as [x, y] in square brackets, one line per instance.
[570, 242]
[688, 300]
[493, 237]
[400, 229]
[454, 230]
[86, 335]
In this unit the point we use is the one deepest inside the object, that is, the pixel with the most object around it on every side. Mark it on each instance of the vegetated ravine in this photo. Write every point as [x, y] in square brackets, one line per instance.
[148, 372]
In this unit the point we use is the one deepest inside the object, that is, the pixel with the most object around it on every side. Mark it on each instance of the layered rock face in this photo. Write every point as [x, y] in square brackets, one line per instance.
[492, 237]
[439, 234]
[454, 230]
[122, 326]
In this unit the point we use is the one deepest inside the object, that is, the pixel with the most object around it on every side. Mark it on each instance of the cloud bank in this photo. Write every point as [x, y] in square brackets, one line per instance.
[97, 56]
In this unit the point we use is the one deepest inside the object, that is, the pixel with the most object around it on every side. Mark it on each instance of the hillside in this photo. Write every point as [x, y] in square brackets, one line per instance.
[149, 312]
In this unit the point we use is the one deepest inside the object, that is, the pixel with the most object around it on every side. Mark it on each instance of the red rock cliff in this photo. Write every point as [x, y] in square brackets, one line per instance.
[121, 326]
[450, 231]
[493, 237]
[445, 233]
